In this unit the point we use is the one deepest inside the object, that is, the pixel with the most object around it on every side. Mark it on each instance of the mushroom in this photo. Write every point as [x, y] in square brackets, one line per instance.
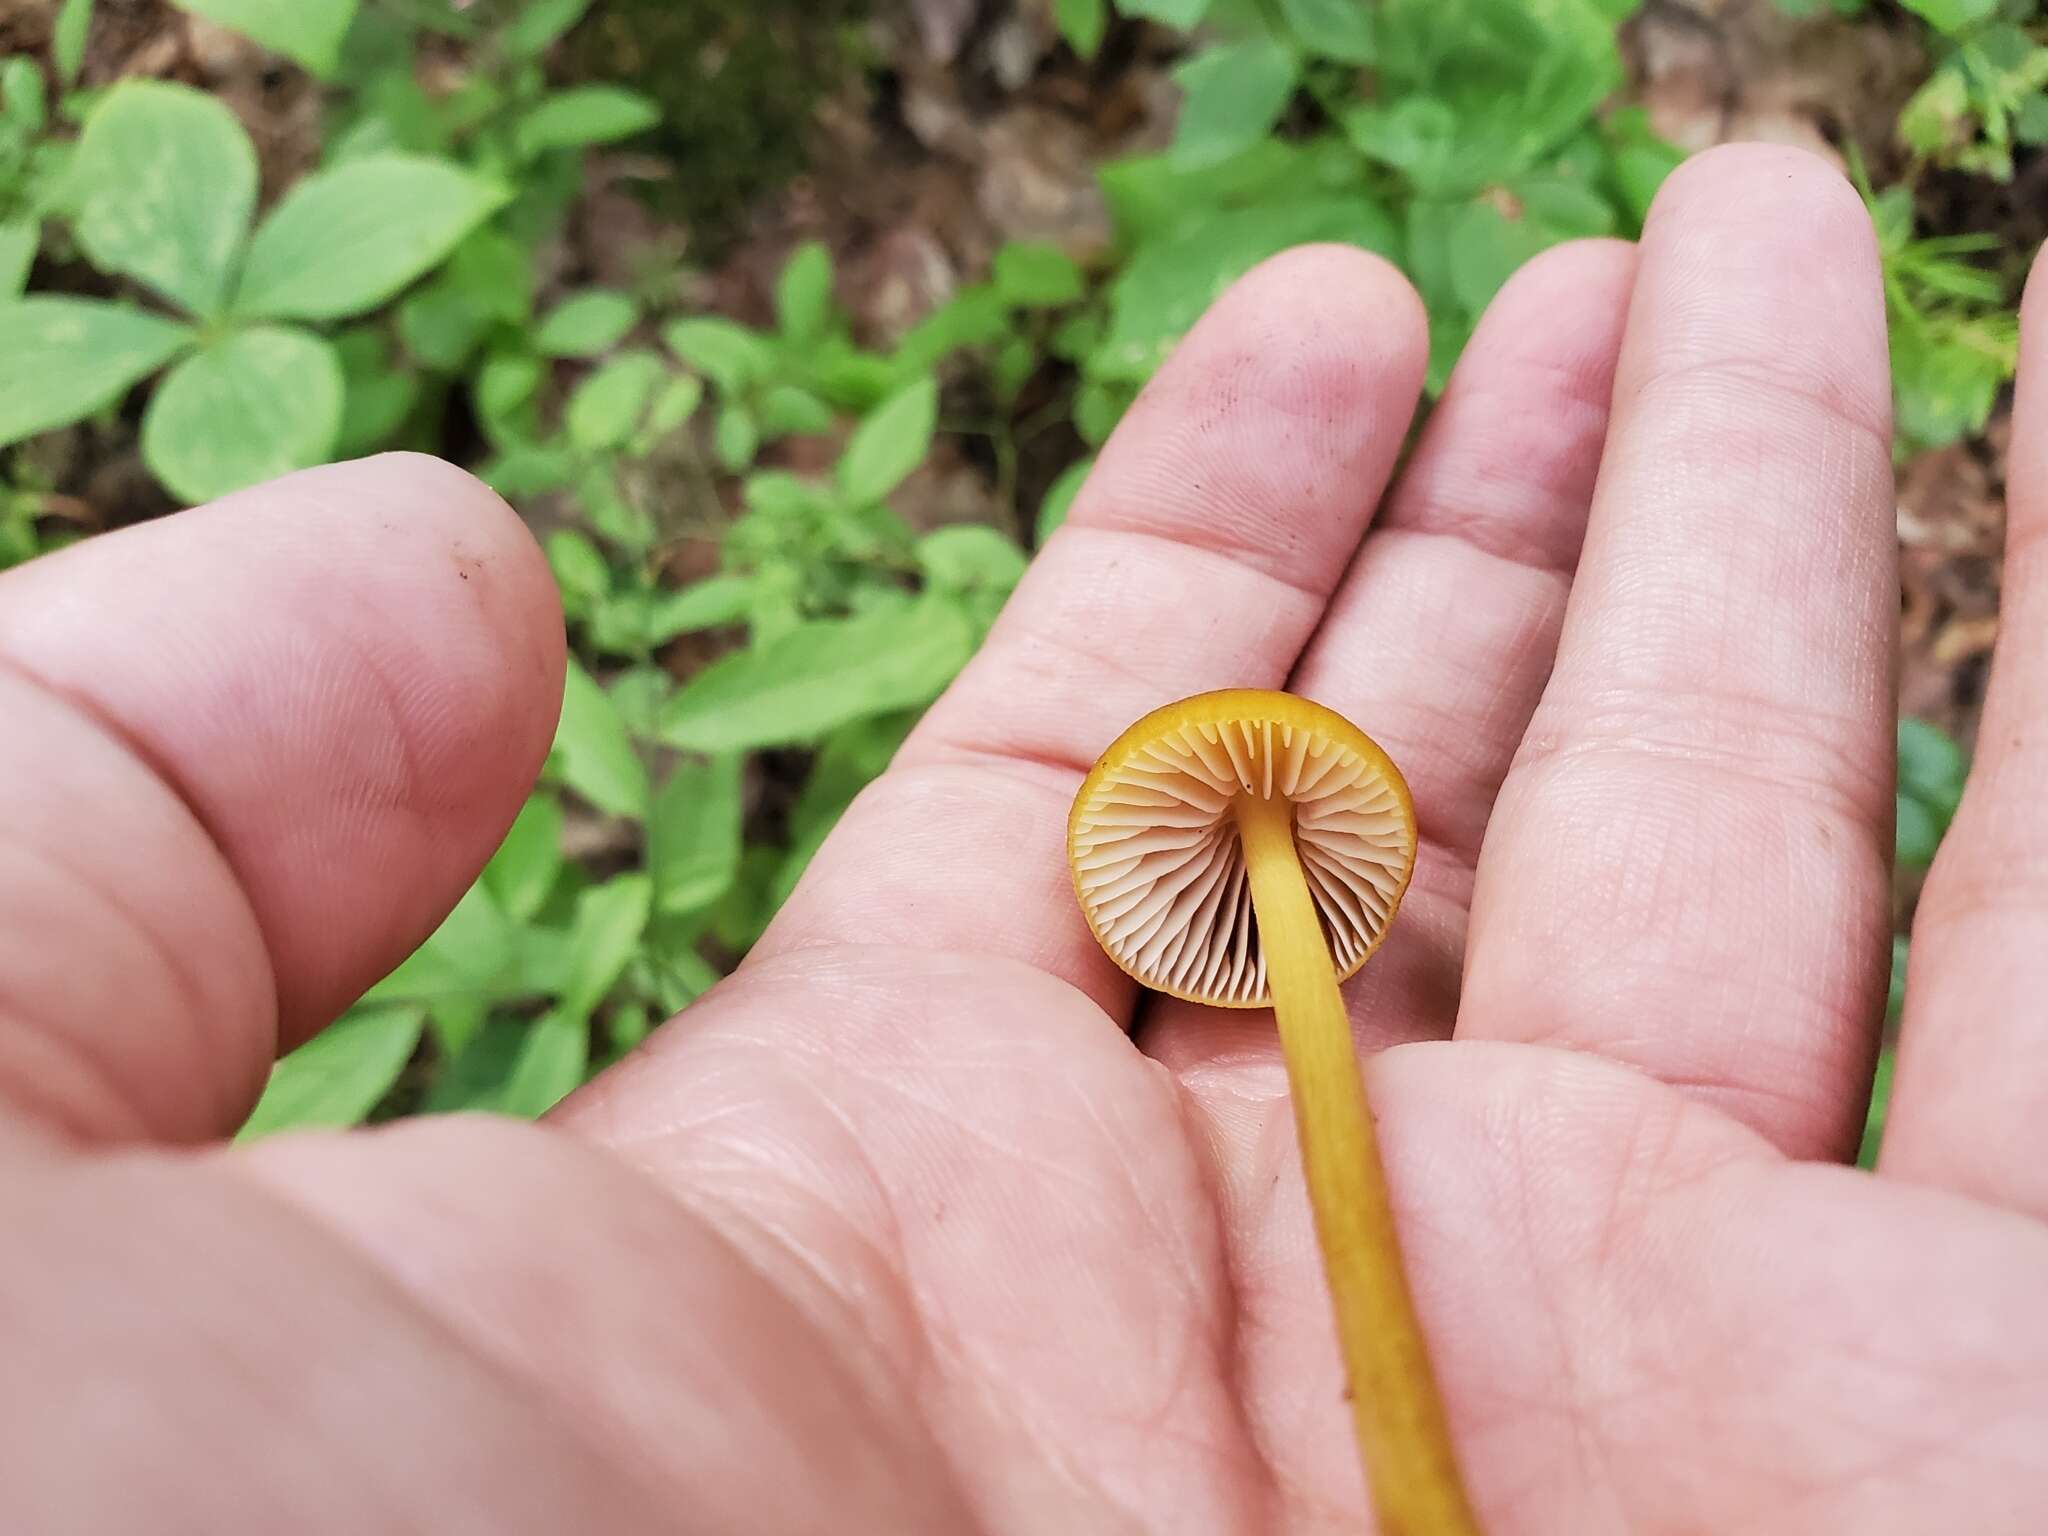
[1243, 848]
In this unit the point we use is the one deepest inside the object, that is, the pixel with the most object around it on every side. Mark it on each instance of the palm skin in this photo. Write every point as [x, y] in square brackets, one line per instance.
[925, 1221]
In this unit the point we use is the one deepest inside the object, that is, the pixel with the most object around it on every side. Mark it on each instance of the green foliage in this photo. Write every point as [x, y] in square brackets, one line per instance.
[715, 728]
[1954, 336]
[160, 191]
[1931, 771]
[309, 32]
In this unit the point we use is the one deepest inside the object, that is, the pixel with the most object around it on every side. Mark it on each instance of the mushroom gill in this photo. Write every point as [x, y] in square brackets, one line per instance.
[1159, 859]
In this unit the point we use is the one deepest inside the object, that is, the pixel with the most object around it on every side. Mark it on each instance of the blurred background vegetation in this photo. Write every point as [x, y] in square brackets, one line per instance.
[791, 326]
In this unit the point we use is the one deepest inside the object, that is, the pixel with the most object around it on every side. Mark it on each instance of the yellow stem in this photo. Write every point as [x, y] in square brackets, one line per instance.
[1395, 1406]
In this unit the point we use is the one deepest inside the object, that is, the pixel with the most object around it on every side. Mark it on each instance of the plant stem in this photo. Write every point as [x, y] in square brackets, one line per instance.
[1395, 1405]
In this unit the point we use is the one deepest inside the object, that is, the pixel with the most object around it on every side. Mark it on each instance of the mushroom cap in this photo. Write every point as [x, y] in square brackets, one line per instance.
[1159, 864]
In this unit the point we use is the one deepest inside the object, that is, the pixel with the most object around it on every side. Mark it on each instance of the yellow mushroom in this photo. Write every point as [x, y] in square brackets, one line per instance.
[1247, 848]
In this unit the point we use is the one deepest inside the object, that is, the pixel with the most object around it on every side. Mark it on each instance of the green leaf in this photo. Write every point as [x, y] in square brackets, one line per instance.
[1951, 16]
[890, 443]
[309, 32]
[729, 355]
[1082, 23]
[849, 760]
[345, 240]
[693, 835]
[1035, 275]
[1234, 97]
[593, 754]
[1185, 14]
[335, 1079]
[161, 190]
[257, 405]
[973, 317]
[467, 956]
[18, 241]
[970, 557]
[707, 604]
[550, 1065]
[580, 570]
[523, 870]
[789, 411]
[1333, 29]
[608, 406]
[819, 675]
[586, 324]
[1053, 510]
[68, 37]
[737, 437]
[540, 26]
[441, 326]
[1169, 282]
[803, 294]
[675, 404]
[603, 937]
[1932, 771]
[588, 114]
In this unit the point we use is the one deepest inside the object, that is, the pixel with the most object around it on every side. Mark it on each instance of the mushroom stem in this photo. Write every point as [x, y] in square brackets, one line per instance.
[1395, 1405]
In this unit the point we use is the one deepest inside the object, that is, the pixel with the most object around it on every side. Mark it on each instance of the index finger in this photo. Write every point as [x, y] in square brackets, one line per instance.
[1200, 554]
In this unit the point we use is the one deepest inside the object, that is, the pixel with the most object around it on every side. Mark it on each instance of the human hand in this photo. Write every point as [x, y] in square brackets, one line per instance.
[925, 1221]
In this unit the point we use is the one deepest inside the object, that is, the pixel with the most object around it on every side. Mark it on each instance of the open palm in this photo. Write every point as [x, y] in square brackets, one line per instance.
[925, 1221]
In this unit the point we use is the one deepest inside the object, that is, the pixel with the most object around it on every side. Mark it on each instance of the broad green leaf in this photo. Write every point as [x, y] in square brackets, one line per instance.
[1034, 275]
[1951, 16]
[819, 675]
[335, 1079]
[693, 834]
[729, 355]
[1184, 14]
[1931, 775]
[975, 316]
[607, 407]
[593, 754]
[377, 397]
[586, 324]
[259, 404]
[706, 604]
[850, 758]
[890, 443]
[1151, 197]
[441, 326]
[523, 870]
[970, 557]
[1082, 23]
[737, 437]
[674, 404]
[602, 938]
[68, 37]
[540, 25]
[803, 294]
[481, 1064]
[345, 240]
[588, 114]
[161, 190]
[1334, 29]
[309, 32]
[469, 955]
[580, 570]
[1234, 96]
[550, 1065]
[1053, 510]
[18, 241]
[787, 410]
[1169, 282]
